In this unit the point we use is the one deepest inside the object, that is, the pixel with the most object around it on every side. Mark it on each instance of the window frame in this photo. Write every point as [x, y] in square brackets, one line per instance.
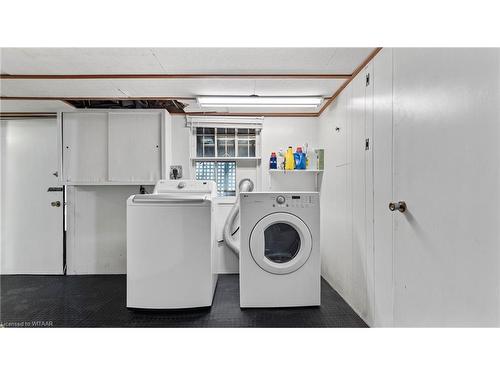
[240, 136]
[252, 125]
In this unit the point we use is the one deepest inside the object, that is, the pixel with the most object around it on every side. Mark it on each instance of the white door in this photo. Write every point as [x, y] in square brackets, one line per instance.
[31, 227]
[446, 157]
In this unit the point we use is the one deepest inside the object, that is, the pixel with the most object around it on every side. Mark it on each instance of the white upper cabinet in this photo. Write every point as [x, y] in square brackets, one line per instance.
[134, 146]
[115, 147]
[85, 147]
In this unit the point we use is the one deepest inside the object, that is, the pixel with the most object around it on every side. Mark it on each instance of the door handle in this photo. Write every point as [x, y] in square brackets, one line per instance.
[399, 206]
[55, 204]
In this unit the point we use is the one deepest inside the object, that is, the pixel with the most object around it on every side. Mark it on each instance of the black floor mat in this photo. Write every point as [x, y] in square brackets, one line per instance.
[99, 301]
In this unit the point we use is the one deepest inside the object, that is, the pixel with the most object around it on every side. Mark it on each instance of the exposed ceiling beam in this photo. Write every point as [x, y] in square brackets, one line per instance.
[175, 76]
[4, 115]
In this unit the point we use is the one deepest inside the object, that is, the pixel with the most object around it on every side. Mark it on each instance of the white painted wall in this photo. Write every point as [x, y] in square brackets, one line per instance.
[96, 229]
[281, 132]
[347, 196]
[435, 131]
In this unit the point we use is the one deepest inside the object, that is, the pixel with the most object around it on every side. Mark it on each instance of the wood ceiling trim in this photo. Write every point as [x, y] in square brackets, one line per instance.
[346, 83]
[272, 114]
[175, 76]
[245, 114]
[63, 98]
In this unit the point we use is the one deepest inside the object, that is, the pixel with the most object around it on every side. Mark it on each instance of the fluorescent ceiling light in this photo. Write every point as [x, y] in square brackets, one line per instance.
[259, 101]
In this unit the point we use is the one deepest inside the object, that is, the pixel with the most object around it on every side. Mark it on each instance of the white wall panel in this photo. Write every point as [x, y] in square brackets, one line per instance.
[347, 196]
[443, 121]
[358, 180]
[369, 110]
[336, 206]
[96, 229]
[382, 186]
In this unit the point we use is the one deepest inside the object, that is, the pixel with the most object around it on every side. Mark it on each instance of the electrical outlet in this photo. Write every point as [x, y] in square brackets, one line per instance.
[175, 172]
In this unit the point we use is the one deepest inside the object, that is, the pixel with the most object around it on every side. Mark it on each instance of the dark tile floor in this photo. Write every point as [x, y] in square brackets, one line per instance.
[99, 301]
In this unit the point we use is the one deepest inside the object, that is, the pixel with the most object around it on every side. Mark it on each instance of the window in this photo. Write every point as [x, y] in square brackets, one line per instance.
[222, 172]
[230, 142]
[224, 149]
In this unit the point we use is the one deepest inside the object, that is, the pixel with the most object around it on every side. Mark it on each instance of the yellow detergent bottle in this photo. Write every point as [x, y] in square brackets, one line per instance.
[289, 159]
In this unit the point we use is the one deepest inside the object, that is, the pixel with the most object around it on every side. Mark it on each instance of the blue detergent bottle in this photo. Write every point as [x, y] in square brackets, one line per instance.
[300, 159]
[273, 161]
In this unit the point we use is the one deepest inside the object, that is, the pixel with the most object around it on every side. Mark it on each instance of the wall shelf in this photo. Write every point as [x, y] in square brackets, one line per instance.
[108, 183]
[225, 158]
[284, 171]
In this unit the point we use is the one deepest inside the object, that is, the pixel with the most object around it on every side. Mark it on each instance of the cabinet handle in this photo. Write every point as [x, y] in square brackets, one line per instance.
[55, 204]
[399, 206]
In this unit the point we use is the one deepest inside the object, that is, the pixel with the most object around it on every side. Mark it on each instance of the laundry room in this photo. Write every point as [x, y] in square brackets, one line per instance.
[268, 184]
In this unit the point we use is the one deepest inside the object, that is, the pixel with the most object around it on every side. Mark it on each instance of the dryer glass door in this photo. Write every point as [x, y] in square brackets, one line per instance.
[280, 243]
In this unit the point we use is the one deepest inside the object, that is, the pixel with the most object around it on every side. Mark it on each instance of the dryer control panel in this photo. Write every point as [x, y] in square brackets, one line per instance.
[284, 200]
[292, 200]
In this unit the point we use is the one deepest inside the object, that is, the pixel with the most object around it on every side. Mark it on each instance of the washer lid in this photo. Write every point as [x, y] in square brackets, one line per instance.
[280, 243]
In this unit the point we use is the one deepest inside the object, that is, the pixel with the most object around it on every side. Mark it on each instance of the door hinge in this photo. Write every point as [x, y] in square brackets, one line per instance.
[367, 143]
[368, 79]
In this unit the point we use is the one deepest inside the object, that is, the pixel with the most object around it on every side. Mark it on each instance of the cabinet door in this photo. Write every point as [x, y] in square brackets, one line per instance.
[134, 147]
[85, 147]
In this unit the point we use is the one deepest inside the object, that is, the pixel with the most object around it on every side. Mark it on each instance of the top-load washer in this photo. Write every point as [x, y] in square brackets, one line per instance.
[279, 255]
[170, 246]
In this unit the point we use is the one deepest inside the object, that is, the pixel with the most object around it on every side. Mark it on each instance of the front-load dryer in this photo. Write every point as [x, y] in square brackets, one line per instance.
[280, 262]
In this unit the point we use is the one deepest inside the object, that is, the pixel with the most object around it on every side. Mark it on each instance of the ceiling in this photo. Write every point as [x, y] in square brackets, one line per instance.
[174, 61]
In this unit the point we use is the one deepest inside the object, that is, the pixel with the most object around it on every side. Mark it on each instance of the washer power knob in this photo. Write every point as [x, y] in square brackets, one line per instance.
[280, 199]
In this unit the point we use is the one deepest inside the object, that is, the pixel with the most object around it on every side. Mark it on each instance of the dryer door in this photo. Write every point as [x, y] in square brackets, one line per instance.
[280, 243]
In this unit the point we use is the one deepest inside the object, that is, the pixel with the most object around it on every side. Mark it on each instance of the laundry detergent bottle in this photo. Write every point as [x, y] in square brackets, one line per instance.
[273, 161]
[289, 159]
[300, 159]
